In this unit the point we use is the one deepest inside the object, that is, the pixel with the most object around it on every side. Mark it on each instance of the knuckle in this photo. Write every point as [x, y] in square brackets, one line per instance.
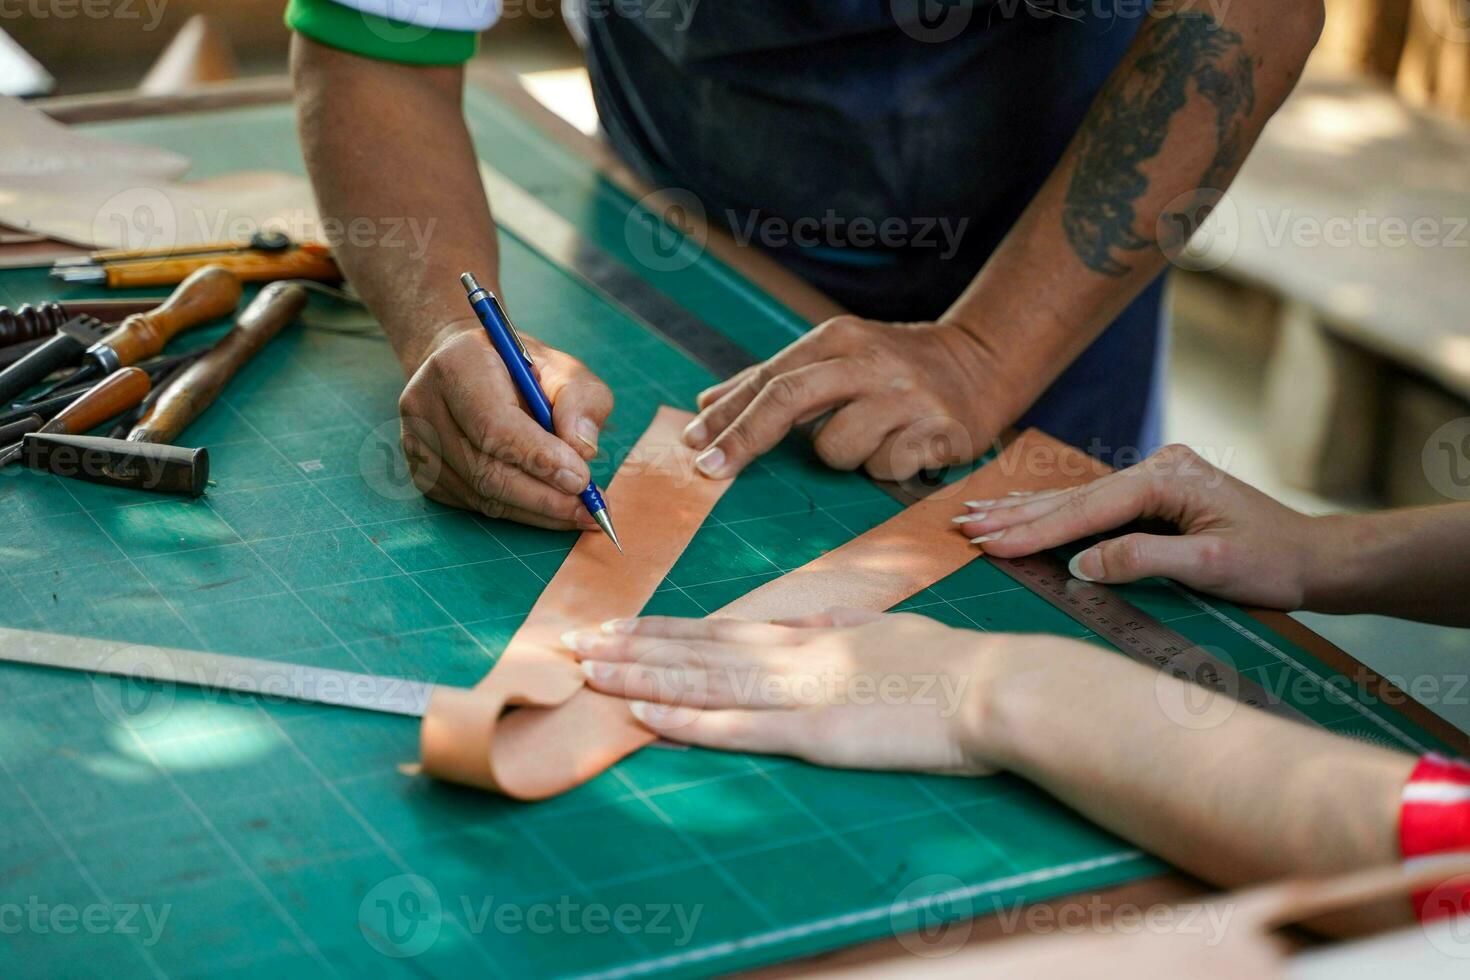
[737, 441]
[1178, 459]
[1213, 557]
[489, 482]
[785, 392]
[1127, 555]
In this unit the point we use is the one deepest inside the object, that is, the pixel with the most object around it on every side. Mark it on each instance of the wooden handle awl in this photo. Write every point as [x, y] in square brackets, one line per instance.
[108, 398]
[188, 395]
[309, 261]
[208, 293]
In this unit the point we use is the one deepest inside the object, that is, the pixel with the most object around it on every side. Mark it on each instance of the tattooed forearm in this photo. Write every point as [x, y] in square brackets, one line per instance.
[1183, 54]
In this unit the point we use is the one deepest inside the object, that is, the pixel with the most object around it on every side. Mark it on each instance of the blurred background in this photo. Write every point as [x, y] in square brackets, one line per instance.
[1320, 321]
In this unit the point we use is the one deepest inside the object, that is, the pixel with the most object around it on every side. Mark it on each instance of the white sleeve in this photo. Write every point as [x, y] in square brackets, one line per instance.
[447, 15]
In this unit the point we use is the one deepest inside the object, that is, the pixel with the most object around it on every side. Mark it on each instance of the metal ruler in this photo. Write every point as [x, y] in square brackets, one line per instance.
[265, 680]
[1136, 633]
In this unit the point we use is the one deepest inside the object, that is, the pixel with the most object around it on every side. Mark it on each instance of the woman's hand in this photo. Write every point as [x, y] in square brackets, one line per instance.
[1235, 541]
[846, 689]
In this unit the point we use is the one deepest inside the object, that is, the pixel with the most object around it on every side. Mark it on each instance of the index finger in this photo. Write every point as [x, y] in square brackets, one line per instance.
[1102, 506]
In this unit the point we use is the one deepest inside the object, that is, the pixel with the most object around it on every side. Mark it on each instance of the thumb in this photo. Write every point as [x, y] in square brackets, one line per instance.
[580, 402]
[1186, 558]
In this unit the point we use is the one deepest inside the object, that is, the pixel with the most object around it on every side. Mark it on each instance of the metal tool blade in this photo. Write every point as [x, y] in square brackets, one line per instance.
[217, 672]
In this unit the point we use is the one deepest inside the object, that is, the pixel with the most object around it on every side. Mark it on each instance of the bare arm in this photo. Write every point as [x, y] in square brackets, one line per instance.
[1166, 134]
[388, 148]
[1246, 797]
[1249, 799]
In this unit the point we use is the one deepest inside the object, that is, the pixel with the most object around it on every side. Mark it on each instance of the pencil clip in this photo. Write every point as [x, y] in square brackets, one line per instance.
[514, 333]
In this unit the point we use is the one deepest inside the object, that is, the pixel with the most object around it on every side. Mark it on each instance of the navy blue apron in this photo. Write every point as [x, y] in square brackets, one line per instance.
[853, 112]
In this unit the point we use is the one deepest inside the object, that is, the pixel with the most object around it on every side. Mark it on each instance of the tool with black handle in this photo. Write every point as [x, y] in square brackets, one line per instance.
[71, 341]
[196, 387]
[145, 460]
[117, 463]
[209, 293]
[108, 398]
[159, 371]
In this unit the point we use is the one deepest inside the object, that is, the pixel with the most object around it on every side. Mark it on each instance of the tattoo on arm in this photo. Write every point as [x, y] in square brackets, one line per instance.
[1128, 124]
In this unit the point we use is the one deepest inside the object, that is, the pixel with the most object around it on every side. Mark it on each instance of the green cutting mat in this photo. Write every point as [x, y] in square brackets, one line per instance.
[283, 839]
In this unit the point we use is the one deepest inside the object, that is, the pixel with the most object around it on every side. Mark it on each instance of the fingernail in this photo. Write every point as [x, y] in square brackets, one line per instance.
[993, 535]
[596, 670]
[568, 481]
[572, 640]
[695, 434]
[969, 518]
[1020, 493]
[1094, 564]
[586, 432]
[619, 625]
[711, 461]
[980, 504]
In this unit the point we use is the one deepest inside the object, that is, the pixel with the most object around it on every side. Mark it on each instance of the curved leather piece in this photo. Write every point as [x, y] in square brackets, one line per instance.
[529, 729]
[563, 734]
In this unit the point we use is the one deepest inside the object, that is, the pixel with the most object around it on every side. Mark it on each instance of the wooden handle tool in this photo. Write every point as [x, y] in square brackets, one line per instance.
[110, 397]
[207, 293]
[306, 262]
[107, 399]
[196, 388]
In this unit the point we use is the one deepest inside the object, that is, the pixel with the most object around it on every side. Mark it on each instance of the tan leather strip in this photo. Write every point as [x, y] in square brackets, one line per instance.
[573, 733]
[916, 548]
[561, 735]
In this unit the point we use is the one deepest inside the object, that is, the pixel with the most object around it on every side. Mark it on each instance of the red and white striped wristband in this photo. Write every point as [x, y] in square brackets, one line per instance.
[1435, 818]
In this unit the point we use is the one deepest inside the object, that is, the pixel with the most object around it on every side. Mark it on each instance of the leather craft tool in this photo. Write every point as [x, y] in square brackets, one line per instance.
[303, 262]
[196, 387]
[13, 431]
[261, 241]
[159, 370]
[144, 460]
[154, 467]
[108, 398]
[208, 293]
[518, 362]
[27, 323]
[70, 342]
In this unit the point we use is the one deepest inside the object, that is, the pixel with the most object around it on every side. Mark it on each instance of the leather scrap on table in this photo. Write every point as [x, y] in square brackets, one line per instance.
[531, 729]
